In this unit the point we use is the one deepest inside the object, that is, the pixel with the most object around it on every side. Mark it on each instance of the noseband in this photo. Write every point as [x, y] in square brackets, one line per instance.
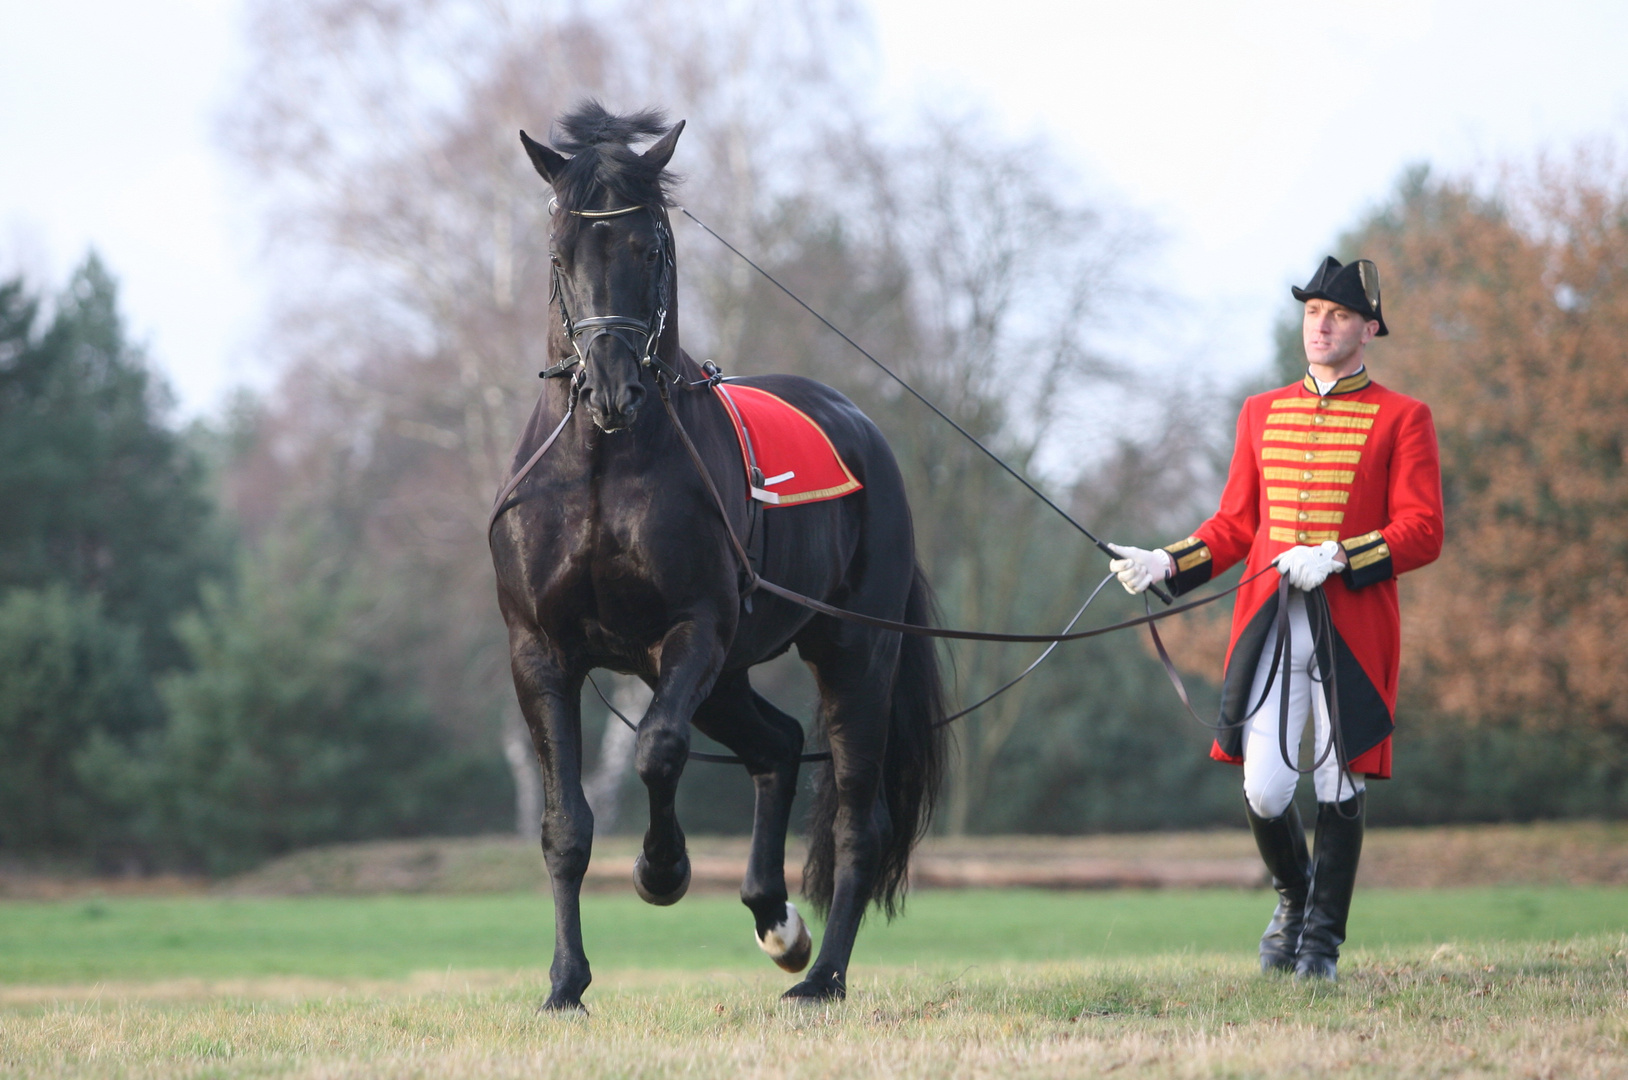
[625, 328]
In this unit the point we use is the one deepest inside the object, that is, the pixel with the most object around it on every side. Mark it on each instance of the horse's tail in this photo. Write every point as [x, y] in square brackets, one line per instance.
[912, 767]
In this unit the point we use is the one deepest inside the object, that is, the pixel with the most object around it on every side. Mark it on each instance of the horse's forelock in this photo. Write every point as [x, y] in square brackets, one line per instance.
[591, 124]
[602, 160]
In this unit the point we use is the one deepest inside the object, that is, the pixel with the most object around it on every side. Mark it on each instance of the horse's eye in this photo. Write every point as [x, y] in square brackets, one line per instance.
[652, 256]
[554, 257]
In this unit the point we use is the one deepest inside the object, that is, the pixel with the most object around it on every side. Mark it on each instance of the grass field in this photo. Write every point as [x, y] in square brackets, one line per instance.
[391, 937]
[1463, 982]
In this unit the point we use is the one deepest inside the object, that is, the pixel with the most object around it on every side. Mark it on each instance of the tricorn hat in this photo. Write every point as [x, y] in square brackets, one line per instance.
[1355, 286]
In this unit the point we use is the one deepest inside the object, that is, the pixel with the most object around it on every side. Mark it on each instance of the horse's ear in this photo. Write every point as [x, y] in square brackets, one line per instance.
[661, 151]
[549, 164]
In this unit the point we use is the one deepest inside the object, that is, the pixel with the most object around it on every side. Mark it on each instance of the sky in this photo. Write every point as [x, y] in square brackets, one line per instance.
[1248, 136]
[107, 139]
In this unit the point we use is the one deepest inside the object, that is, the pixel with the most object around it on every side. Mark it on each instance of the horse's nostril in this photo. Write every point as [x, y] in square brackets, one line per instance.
[631, 397]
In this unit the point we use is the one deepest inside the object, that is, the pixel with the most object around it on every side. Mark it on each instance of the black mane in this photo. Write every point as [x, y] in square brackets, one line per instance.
[601, 158]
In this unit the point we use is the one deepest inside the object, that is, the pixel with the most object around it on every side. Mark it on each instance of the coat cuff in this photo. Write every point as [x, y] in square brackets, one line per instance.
[1369, 559]
[1192, 564]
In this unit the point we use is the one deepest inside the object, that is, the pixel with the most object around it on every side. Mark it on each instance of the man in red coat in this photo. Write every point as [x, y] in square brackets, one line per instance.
[1336, 481]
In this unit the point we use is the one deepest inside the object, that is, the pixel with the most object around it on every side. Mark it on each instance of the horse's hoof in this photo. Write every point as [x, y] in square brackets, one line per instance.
[659, 892]
[568, 1008]
[788, 943]
[816, 990]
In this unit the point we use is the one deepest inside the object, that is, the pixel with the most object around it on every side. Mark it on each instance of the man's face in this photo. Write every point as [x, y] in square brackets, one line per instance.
[1334, 334]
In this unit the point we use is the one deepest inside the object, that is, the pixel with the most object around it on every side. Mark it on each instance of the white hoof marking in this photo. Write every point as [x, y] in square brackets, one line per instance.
[778, 940]
[788, 944]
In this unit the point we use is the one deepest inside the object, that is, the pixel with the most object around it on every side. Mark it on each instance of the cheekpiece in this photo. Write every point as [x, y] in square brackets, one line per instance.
[1355, 286]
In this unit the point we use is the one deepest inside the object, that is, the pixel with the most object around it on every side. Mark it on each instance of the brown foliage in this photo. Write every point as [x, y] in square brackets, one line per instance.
[1197, 641]
[1509, 316]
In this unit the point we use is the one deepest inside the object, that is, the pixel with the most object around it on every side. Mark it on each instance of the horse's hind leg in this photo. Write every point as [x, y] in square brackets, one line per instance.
[770, 743]
[550, 701]
[855, 687]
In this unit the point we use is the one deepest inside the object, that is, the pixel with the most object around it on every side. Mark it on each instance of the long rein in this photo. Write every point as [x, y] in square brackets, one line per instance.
[664, 374]
[755, 582]
[1282, 656]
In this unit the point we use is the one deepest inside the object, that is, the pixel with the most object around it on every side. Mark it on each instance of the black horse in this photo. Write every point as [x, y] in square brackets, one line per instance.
[612, 552]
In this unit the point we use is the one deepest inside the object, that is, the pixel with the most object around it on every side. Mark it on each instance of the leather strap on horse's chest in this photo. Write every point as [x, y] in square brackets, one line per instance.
[501, 504]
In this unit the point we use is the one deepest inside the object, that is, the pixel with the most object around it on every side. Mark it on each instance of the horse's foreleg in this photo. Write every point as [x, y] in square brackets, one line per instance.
[769, 742]
[691, 656]
[550, 700]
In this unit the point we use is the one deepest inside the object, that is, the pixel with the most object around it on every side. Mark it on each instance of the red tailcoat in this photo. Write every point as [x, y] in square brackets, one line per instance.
[1359, 466]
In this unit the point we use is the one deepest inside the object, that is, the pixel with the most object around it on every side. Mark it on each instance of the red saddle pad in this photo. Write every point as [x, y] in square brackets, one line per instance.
[794, 456]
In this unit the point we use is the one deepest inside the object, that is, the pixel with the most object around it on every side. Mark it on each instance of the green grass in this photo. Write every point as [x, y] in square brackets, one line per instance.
[392, 937]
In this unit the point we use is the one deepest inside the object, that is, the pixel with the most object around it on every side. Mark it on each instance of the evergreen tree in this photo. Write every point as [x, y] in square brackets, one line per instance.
[97, 493]
[287, 730]
[71, 685]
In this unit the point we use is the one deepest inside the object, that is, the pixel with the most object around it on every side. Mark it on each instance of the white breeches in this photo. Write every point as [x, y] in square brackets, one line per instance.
[1269, 783]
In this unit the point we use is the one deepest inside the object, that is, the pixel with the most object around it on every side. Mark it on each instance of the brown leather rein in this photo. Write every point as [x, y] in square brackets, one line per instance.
[1282, 657]
[755, 582]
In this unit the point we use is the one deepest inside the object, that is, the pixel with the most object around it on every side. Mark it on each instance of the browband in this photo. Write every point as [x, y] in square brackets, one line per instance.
[554, 204]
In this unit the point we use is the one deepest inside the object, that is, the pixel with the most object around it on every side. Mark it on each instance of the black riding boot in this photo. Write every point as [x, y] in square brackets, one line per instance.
[1282, 844]
[1333, 877]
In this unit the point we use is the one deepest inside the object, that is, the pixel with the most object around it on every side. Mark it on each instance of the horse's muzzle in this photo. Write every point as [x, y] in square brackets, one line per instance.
[616, 410]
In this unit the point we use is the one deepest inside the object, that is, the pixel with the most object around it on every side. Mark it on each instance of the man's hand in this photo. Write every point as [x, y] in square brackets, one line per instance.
[1307, 567]
[1137, 569]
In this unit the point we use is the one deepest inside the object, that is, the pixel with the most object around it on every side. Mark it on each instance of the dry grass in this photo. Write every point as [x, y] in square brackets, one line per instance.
[1551, 1010]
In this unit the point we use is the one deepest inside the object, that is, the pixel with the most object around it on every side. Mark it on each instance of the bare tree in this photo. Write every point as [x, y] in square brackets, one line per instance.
[1010, 282]
[603, 786]
[411, 232]
[412, 237]
[521, 757]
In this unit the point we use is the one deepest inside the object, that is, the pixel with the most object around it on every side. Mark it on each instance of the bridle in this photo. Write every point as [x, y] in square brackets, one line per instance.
[625, 328]
[620, 327]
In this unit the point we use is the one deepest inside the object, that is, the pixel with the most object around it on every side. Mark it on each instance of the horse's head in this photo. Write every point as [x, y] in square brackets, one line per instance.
[612, 250]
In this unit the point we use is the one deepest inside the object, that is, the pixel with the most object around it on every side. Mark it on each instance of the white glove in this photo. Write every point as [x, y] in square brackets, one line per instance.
[1307, 567]
[1138, 569]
